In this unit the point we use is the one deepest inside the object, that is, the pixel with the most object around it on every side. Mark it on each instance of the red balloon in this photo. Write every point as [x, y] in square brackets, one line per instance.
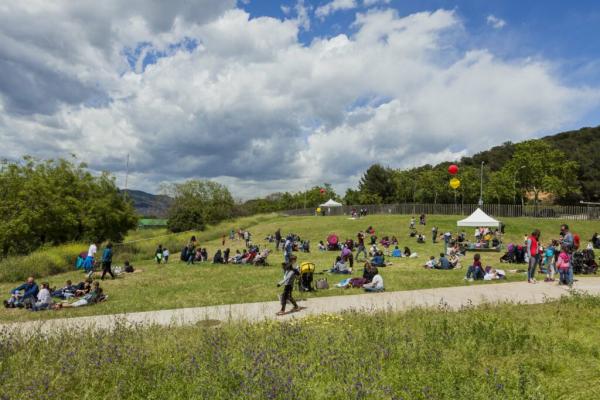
[453, 169]
[322, 190]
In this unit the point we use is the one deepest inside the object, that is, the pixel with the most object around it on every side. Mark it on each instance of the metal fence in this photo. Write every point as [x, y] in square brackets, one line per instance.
[496, 210]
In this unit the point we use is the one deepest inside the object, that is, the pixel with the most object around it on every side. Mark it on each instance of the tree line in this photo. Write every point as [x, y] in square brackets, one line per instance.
[57, 201]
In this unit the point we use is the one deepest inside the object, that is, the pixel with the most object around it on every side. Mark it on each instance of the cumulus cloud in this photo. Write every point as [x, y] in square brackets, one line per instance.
[495, 22]
[369, 3]
[335, 5]
[251, 106]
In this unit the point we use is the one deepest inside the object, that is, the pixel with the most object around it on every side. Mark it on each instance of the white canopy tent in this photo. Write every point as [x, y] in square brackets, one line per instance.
[331, 203]
[477, 219]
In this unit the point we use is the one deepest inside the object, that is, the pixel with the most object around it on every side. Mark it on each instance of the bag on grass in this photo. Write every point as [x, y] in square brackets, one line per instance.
[322, 284]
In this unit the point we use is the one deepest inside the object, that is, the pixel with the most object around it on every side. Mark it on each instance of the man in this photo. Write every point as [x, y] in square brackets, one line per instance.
[107, 260]
[27, 298]
[288, 247]
[443, 262]
[568, 242]
[434, 233]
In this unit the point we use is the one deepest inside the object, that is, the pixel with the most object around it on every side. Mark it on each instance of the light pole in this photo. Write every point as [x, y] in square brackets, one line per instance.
[515, 184]
[481, 186]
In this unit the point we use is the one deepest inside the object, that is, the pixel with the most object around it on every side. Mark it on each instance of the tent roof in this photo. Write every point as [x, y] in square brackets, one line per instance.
[331, 203]
[478, 218]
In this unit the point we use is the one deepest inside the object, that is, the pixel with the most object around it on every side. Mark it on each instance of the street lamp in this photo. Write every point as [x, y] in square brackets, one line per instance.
[515, 184]
[481, 186]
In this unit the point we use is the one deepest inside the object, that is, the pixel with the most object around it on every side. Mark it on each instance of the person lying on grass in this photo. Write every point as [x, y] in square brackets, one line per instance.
[289, 276]
[66, 292]
[96, 295]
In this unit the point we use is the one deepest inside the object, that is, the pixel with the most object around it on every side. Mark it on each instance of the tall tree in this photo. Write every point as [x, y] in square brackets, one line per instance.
[377, 183]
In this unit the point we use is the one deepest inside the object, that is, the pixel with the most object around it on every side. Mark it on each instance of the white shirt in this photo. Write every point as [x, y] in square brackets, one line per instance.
[165, 253]
[92, 250]
[377, 282]
[44, 296]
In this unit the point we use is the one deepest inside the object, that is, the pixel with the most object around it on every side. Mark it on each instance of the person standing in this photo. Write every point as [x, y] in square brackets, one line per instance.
[166, 255]
[434, 233]
[288, 286]
[533, 254]
[88, 264]
[158, 254]
[288, 247]
[412, 223]
[568, 245]
[107, 261]
[277, 239]
[361, 245]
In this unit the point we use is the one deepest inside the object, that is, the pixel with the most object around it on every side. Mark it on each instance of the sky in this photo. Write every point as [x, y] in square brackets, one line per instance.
[267, 96]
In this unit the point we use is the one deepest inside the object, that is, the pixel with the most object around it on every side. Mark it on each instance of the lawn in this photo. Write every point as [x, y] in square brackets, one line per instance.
[545, 351]
[177, 285]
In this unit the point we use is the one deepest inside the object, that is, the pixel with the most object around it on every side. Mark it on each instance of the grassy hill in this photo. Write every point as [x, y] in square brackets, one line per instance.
[147, 204]
[582, 146]
[178, 285]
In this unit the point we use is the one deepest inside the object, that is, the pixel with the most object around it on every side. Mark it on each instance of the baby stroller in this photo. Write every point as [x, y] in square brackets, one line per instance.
[589, 262]
[333, 242]
[578, 262]
[307, 270]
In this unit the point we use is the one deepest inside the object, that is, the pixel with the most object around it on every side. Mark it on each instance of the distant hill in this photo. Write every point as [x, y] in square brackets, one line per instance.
[149, 205]
[582, 146]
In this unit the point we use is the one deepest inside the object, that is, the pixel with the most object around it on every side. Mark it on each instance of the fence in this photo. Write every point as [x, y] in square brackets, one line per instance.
[496, 210]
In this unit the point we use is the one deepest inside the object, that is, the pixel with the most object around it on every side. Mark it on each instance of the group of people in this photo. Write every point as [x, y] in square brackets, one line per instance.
[35, 298]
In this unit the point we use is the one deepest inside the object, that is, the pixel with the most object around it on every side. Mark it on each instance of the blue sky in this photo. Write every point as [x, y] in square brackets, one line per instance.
[264, 98]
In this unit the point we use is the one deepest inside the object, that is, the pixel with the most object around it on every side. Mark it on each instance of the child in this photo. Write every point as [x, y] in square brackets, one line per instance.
[396, 252]
[431, 263]
[549, 263]
[475, 271]
[563, 265]
[322, 246]
[165, 255]
[158, 254]
[289, 275]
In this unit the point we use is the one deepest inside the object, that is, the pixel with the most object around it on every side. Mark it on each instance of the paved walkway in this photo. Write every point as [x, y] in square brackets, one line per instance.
[450, 297]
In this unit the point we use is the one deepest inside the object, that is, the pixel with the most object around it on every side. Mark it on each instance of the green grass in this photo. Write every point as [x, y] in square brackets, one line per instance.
[546, 351]
[177, 285]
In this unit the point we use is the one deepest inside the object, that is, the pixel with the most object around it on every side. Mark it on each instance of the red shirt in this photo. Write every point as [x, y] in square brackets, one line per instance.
[534, 246]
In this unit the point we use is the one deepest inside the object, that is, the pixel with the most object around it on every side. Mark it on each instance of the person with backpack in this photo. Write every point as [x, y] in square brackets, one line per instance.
[532, 254]
[288, 286]
[158, 254]
[107, 255]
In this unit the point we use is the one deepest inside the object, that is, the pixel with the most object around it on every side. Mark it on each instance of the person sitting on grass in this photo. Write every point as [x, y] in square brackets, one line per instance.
[420, 238]
[84, 288]
[340, 267]
[29, 291]
[226, 256]
[378, 260]
[443, 263]
[44, 299]
[128, 268]
[376, 285]
[322, 246]
[475, 271]
[66, 292]
[218, 258]
[289, 276]
[396, 252]
[431, 263]
[407, 252]
[95, 295]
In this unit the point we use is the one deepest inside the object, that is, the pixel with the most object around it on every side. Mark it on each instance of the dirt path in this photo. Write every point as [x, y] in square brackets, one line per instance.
[451, 297]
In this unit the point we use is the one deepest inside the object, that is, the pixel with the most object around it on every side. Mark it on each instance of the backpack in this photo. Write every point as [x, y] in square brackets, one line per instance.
[322, 284]
[576, 241]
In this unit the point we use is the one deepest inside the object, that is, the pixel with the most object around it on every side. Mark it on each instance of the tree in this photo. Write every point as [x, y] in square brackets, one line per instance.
[376, 183]
[55, 201]
[197, 203]
[500, 187]
[540, 167]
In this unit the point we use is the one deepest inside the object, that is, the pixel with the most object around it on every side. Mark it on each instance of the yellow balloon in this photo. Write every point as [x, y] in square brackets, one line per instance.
[454, 183]
[319, 209]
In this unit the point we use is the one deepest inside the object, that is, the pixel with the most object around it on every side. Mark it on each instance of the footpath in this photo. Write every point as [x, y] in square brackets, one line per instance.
[453, 298]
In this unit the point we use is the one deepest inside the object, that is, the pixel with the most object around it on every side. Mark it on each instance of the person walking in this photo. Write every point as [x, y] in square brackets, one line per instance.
[88, 264]
[434, 234]
[288, 286]
[158, 254]
[107, 255]
[277, 239]
[532, 254]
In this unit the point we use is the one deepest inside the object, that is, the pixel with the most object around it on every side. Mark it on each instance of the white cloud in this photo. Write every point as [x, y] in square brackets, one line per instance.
[495, 22]
[302, 15]
[253, 107]
[369, 3]
[333, 6]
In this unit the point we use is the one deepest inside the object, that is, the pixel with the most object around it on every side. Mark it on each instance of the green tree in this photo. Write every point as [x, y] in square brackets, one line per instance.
[197, 203]
[541, 168]
[55, 201]
[376, 183]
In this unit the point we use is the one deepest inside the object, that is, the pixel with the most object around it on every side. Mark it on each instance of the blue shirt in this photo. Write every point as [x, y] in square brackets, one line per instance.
[107, 255]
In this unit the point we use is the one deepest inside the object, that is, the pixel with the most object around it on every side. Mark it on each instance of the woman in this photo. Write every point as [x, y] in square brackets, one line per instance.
[533, 254]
